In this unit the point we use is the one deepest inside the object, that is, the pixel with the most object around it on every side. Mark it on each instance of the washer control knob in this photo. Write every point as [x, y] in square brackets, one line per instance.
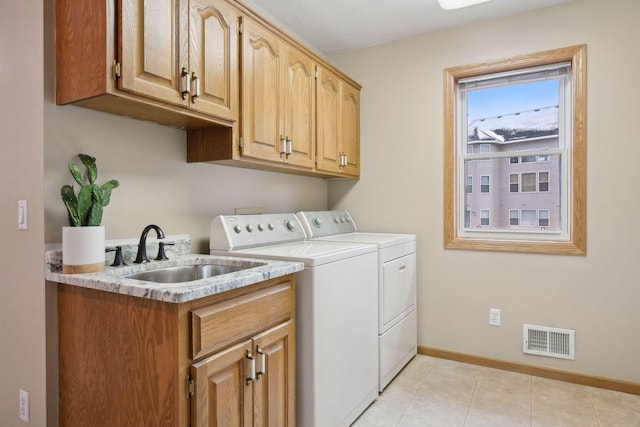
[249, 228]
[291, 225]
[342, 219]
[260, 227]
[336, 220]
[237, 229]
[271, 227]
[317, 221]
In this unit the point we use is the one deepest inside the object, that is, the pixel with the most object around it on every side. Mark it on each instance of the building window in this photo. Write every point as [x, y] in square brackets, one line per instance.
[514, 183]
[543, 217]
[484, 217]
[529, 217]
[522, 137]
[469, 186]
[484, 184]
[543, 181]
[514, 216]
[528, 182]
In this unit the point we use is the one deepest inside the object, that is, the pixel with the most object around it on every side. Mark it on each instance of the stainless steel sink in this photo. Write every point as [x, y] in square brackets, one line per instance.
[185, 273]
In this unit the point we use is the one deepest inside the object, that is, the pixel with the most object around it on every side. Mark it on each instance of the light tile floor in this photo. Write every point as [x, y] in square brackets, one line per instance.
[433, 392]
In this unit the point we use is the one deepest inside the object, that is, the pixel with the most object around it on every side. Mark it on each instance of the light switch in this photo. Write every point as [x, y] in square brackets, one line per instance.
[22, 214]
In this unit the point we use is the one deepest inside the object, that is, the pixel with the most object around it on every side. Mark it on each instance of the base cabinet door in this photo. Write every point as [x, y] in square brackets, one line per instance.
[221, 397]
[274, 390]
[249, 384]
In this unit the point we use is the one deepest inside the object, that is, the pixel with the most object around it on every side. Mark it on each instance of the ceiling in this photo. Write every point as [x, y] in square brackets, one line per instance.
[336, 25]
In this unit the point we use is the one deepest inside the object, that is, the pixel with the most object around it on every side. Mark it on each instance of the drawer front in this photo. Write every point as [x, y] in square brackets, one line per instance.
[222, 324]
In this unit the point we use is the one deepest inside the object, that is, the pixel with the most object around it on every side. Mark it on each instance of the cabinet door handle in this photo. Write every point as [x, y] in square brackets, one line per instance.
[288, 147]
[250, 366]
[185, 83]
[283, 145]
[196, 87]
[262, 360]
[343, 159]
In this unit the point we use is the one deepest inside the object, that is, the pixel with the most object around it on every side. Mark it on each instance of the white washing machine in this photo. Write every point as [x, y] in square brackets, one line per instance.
[397, 317]
[336, 312]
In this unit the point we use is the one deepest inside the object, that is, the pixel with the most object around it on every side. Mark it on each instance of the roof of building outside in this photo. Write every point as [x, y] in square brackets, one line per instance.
[507, 128]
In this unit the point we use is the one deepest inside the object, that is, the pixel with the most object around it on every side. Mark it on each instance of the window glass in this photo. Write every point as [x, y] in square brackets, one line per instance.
[528, 217]
[513, 182]
[521, 123]
[513, 216]
[528, 182]
[484, 184]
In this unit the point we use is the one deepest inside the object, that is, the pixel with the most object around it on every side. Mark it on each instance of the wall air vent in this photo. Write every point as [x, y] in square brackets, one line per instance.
[550, 342]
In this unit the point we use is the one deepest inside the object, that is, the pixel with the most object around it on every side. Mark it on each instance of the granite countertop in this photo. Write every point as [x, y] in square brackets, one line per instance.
[112, 280]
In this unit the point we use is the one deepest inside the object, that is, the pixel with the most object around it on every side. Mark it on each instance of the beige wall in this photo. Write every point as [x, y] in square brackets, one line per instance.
[22, 298]
[156, 184]
[402, 151]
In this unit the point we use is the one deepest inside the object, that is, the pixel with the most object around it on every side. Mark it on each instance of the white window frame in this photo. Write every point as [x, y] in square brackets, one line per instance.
[572, 239]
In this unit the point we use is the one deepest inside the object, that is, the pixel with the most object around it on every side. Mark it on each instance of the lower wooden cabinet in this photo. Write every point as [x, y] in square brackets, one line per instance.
[248, 384]
[128, 361]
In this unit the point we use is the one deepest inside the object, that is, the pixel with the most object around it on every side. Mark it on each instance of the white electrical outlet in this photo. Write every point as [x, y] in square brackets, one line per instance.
[494, 316]
[24, 405]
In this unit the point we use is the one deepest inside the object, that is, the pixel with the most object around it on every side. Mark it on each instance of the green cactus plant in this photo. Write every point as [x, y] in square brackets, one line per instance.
[85, 209]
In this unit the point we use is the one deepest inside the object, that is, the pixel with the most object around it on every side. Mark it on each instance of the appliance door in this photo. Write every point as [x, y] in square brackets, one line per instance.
[398, 292]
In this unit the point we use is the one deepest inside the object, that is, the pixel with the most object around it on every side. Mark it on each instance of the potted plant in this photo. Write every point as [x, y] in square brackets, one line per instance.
[83, 249]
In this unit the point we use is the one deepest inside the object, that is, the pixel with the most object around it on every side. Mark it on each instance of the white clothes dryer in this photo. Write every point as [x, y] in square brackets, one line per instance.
[336, 312]
[397, 287]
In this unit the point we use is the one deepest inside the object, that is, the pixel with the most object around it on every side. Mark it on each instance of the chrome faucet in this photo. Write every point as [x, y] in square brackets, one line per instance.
[142, 246]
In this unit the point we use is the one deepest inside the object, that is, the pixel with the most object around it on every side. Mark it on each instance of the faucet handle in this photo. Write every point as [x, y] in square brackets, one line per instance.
[117, 259]
[161, 254]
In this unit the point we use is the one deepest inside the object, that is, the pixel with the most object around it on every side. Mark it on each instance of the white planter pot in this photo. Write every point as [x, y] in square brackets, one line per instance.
[83, 249]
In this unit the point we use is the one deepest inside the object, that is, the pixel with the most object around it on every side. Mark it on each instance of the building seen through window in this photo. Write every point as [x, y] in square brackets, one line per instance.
[519, 191]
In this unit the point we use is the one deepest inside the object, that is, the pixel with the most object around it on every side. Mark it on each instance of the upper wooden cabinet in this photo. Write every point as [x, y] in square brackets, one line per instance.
[278, 99]
[181, 53]
[247, 94]
[338, 142]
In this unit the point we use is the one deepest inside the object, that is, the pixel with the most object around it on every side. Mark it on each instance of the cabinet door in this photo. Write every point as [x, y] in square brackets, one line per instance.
[300, 107]
[153, 47]
[262, 92]
[213, 57]
[274, 391]
[350, 129]
[328, 141]
[222, 395]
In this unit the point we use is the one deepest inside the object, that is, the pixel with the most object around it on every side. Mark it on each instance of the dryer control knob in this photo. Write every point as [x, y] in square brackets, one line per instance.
[271, 227]
[336, 220]
[249, 228]
[237, 229]
[317, 222]
[260, 227]
[291, 225]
